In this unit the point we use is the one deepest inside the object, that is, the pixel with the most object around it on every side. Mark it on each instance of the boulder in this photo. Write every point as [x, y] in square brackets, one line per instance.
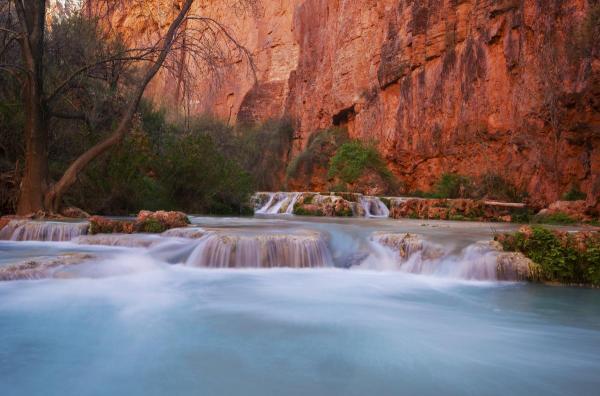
[146, 221]
[75, 213]
[102, 225]
[167, 219]
[577, 210]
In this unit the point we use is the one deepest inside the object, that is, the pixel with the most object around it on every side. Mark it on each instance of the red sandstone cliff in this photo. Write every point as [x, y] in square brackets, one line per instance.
[468, 86]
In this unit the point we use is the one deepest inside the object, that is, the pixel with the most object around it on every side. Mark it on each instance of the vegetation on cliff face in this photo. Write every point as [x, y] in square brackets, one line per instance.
[562, 257]
[353, 160]
[347, 164]
[487, 186]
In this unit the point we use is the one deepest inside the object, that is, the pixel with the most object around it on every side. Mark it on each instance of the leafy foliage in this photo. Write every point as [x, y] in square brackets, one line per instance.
[562, 259]
[453, 185]
[353, 159]
[321, 147]
[204, 167]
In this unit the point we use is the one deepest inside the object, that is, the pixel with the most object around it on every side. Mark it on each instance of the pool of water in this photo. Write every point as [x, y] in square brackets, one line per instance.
[131, 322]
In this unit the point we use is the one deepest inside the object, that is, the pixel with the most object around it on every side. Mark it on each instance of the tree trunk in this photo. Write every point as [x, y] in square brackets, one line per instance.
[34, 184]
[54, 196]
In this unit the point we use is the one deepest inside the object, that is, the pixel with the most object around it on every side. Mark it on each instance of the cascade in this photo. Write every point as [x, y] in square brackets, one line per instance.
[307, 250]
[25, 230]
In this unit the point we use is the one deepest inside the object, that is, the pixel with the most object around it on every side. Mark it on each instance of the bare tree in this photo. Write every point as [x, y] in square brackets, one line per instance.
[202, 44]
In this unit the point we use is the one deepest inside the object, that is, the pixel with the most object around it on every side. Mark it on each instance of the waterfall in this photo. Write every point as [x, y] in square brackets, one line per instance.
[261, 251]
[278, 203]
[373, 206]
[25, 230]
[412, 254]
[274, 203]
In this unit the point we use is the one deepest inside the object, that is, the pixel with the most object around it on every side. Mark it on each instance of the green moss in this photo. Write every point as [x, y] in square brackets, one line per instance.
[386, 201]
[413, 215]
[458, 217]
[346, 212]
[152, 226]
[301, 210]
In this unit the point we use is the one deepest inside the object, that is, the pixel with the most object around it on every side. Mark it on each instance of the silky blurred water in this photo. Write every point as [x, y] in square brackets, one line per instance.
[132, 324]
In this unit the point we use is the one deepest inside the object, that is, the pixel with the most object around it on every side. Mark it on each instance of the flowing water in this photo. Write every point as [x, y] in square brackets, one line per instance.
[285, 305]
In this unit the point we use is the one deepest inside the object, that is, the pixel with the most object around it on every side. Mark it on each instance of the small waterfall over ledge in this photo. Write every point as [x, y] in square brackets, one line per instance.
[373, 206]
[283, 203]
[307, 250]
[412, 254]
[277, 203]
[26, 230]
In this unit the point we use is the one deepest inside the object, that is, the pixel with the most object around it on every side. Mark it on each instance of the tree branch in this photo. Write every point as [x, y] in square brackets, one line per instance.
[54, 196]
[61, 86]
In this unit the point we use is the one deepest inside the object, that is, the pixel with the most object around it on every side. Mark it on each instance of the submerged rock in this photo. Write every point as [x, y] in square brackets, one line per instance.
[124, 240]
[185, 232]
[42, 268]
[406, 244]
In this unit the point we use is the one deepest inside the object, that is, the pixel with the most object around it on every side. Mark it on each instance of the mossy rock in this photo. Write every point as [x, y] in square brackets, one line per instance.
[152, 226]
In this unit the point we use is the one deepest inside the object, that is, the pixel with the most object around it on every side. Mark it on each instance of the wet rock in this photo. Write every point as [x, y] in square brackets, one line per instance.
[102, 225]
[577, 210]
[452, 209]
[75, 213]
[146, 221]
[42, 268]
[406, 244]
[108, 239]
[187, 232]
[167, 219]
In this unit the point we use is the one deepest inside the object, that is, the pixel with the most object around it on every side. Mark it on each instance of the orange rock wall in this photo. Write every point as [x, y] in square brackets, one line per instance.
[467, 86]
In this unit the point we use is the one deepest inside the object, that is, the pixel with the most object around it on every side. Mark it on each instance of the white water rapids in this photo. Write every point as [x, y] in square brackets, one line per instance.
[255, 243]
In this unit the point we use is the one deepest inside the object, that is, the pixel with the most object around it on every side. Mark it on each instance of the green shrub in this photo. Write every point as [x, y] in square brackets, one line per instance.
[493, 186]
[320, 148]
[560, 259]
[353, 159]
[574, 194]
[453, 185]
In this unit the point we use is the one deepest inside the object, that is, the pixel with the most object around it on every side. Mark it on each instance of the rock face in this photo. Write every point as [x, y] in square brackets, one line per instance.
[468, 86]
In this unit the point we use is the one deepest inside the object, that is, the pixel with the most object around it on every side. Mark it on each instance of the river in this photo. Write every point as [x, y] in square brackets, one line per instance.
[288, 306]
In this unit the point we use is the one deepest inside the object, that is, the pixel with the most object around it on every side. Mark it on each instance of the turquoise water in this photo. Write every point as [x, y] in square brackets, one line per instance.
[132, 324]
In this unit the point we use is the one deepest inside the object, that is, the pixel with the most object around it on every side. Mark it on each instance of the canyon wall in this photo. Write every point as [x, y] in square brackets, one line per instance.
[510, 87]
